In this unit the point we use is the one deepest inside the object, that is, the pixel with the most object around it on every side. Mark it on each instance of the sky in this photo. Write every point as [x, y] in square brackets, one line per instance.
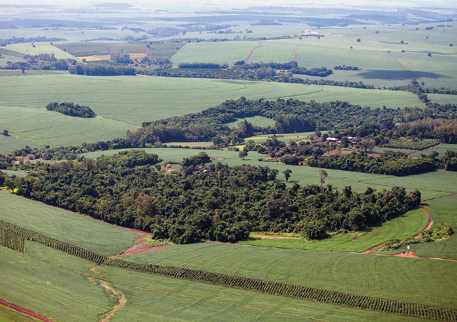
[241, 3]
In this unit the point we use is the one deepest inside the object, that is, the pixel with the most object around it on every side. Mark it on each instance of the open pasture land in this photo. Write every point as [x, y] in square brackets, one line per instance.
[64, 225]
[135, 99]
[406, 226]
[431, 184]
[39, 48]
[42, 127]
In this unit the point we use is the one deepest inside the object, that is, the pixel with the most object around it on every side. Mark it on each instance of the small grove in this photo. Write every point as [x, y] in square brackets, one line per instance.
[216, 202]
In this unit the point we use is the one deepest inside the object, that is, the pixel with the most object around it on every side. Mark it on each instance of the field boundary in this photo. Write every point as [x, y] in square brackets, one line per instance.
[24, 311]
[249, 284]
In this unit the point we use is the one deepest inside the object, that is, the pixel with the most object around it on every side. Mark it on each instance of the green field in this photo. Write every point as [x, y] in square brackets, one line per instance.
[440, 148]
[403, 227]
[61, 284]
[40, 48]
[443, 99]
[255, 120]
[65, 225]
[41, 127]
[142, 98]
[378, 55]
[10, 143]
[442, 210]
[7, 314]
[382, 276]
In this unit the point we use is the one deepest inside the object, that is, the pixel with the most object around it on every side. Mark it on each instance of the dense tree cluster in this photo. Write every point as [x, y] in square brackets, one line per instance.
[444, 130]
[71, 109]
[344, 67]
[289, 115]
[19, 40]
[41, 62]
[221, 203]
[393, 163]
[201, 65]
[98, 69]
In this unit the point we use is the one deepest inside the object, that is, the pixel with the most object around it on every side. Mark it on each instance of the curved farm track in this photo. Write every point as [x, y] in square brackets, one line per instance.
[117, 294]
[412, 254]
[252, 51]
[25, 311]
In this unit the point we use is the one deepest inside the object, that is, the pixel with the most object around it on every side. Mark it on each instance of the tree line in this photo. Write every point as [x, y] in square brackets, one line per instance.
[218, 202]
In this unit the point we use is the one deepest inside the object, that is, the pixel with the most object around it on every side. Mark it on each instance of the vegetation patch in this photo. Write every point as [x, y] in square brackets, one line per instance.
[71, 109]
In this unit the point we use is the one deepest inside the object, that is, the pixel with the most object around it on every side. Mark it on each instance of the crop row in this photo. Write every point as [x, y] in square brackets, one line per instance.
[351, 300]
[297, 291]
[11, 240]
[53, 243]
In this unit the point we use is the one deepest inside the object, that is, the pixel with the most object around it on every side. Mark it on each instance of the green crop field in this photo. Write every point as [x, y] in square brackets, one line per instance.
[65, 225]
[42, 127]
[144, 98]
[64, 287]
[403, 227]
[10, 143]
[379, 55]
[383, 276]
[255, 120]
[440, 148]
[443, 99]
[7, 314]
[442, 210]
[40, 48]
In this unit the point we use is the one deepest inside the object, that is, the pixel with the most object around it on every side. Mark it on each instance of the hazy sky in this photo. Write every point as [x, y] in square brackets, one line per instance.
[239, 3]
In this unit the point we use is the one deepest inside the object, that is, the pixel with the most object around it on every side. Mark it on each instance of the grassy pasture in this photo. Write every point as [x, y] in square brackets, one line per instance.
[381, 276]
[403, 227]
[143, 98]
[42, 127]
[65, 225]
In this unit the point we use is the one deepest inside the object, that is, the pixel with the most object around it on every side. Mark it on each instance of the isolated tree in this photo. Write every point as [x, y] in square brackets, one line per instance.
[243, 154]
[429, 54]
[322, 176]
[358, 40]
[287, 173]
[5, 133]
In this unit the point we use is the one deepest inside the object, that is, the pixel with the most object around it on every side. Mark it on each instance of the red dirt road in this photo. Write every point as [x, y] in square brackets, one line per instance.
[296, 54]
[140, 246]
[25, 311]
[429, 224]
[252, 51]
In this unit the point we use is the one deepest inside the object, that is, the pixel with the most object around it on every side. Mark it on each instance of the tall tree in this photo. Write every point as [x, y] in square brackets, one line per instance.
[322, 176]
